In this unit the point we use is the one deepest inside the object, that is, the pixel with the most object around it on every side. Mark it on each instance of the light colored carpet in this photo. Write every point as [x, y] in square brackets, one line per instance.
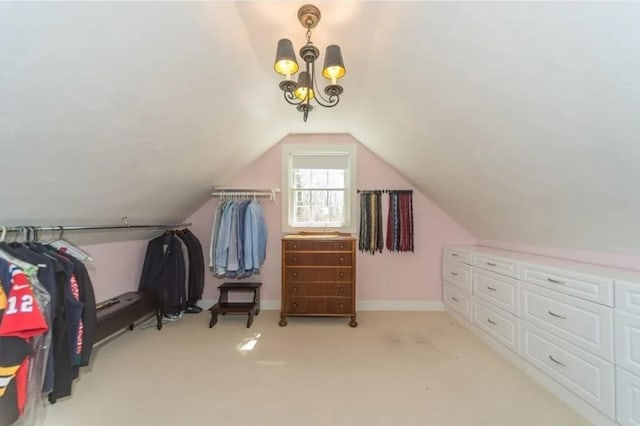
[394, 369]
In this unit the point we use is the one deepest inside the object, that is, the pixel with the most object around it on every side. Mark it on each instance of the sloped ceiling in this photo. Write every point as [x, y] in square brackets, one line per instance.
[520, 119]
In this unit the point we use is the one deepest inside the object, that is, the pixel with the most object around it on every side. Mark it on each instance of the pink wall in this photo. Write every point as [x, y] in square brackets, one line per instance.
[116, 267]
[598, 258]
[381, 277]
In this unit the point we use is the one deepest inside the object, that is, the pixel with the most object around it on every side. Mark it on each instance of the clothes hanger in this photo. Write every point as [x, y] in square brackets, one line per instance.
[4, 233]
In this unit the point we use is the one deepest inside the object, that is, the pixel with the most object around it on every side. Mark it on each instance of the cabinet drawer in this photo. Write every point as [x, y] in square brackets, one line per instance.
[584, 374]
[456, 255]
[501, 325]
[496, 264]
[339, 289]
[295, 305]
[337, 259]
[586, 287]
[324, 245]
[628, 296]
[318, 274]
[297, 289]
[340, 305]
[498, 290]
[627, 341]
[458, 275]
[627, 398]
[584, 324]
[458, 301]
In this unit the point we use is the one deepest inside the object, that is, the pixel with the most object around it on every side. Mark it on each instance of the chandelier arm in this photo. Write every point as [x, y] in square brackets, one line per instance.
[326, 102]
[289, 97]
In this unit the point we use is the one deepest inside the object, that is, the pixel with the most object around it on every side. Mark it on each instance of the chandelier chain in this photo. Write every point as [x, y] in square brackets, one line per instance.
[308, 35]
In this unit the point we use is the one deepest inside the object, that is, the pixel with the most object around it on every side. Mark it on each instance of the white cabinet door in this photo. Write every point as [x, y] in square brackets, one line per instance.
[628, 341]
[457, 300]
[451, 254]
[498, 290]
[586, 375]
[501, 325]
[584, 324]
[458, 275]
[628, 296]
[627, 398]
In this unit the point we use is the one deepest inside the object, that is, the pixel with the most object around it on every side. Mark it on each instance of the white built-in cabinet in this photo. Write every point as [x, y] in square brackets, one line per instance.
[573, 327]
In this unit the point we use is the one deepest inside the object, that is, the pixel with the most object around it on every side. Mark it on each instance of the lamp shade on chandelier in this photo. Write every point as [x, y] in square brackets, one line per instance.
[305, 90]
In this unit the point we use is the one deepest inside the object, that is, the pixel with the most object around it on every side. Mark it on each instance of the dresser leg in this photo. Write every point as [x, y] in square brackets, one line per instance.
[353, 322]
[283, 321]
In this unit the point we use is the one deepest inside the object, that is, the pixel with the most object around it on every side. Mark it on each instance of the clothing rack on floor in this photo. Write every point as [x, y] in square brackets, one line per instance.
[244, 193]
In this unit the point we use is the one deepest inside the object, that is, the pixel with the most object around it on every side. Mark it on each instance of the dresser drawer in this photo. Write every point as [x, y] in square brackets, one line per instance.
[458, 301]
[501, 325]
[456, 255]
[458, 275]
[498, 290]
[339, 289]
[318, 274]
[586, 375]
[496, 264]
[295, 305]
[627, 398]
[320, 245]
[628, 296]
[586, 287]
[584, 324]
[328, 259]
[340, 305]
[627, 341]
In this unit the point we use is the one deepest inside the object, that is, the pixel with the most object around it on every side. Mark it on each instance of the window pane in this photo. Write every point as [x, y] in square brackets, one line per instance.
[336, 179]
[301, 178]
[319, 207]
[302, 214]
[336, 206]
[319, 178]
[302, 198]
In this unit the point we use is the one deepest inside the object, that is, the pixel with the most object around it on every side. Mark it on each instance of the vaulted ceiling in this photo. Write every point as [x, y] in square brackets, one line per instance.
[520, 119]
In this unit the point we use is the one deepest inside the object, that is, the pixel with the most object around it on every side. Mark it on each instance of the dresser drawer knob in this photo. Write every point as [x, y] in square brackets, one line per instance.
[295, 305]
[491, 288]
[341, 305]
[342, 260]
[492, 264]
[341, 273]
[294, 246]
[491, 322]
[295, 289]
[557, 362]
[341, 246]
[295, 259]
[295, 274]
[551, 280]
[341, 289]
[553, 314]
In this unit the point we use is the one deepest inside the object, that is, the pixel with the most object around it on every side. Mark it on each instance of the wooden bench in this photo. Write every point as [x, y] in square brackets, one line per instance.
[120, 312]
[224, 306]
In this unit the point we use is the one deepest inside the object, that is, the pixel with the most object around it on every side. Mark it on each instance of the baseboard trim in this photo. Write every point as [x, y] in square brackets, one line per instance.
[365, 305]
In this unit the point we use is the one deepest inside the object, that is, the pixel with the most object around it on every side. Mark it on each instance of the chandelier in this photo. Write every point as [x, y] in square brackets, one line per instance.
[302, 92]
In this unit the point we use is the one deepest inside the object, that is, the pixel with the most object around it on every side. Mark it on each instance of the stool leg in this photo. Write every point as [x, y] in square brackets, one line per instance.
[214, 319]
[250, 319]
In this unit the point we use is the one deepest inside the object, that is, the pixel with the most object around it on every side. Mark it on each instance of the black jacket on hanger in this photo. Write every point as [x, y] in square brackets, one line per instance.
[196, 266]
[163, 273]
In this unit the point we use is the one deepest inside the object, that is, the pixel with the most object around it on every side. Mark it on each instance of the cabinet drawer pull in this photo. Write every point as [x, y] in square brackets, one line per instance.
[341, 289]
[492, 264]
[341, 246]
[295, 259]
[491, 288]
[294, 246]
[454, 299]
[295, 305]
[454, 254]
[491, 322]
[551, 280]
[342, 260]
[341, 273]
[455, 274]
[553, 314]
[295, 289]
[341, 305]
[295, 274]
[557, 362]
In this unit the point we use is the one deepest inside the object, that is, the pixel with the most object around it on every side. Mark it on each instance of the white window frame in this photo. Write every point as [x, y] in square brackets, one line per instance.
[288, 152]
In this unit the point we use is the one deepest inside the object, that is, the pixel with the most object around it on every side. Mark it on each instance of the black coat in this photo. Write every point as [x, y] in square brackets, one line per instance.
[196, 265]
[163, 274]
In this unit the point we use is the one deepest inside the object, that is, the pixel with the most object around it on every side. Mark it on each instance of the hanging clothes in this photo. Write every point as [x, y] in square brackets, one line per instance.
[370, 235]
[63, 280]
[196, 266]
[238, 239]
[400, 221]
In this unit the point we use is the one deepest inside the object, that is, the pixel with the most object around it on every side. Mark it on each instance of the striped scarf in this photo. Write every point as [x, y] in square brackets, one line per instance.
[400, 221]
[370, 236]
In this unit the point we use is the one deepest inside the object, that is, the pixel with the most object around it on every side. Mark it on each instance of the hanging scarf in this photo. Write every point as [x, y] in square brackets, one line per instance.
[400, 221]
[370, 235]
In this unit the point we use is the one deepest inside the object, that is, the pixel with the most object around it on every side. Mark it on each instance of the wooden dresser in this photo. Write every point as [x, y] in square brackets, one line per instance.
[318, 276]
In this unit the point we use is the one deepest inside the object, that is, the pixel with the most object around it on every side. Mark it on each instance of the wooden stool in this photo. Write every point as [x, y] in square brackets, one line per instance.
[224, 306]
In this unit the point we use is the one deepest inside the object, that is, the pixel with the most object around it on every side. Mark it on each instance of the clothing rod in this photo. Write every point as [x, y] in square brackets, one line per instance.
[226, 190]
[91, 227]
[364, 191]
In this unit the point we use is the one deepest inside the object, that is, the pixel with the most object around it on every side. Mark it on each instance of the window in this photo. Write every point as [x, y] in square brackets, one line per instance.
[318, 186]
